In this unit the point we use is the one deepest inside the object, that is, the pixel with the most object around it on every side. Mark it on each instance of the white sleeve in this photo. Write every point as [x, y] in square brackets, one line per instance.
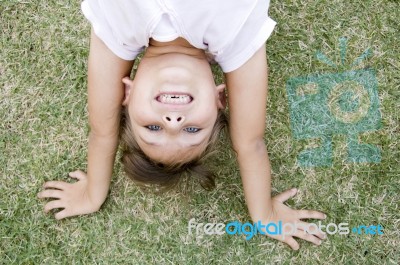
[94, 12]
[253, 34]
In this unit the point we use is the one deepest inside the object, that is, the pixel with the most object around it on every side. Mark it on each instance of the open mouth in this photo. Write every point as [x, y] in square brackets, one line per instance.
[177, 99]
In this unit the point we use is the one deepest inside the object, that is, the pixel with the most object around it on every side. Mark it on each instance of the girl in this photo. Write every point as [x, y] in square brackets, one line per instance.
[173, 109]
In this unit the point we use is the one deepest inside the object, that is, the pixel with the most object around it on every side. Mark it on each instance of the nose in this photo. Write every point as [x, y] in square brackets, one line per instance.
[173, 120]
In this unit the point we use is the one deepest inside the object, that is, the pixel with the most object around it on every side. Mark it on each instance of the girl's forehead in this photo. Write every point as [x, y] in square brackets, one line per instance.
[167, 155]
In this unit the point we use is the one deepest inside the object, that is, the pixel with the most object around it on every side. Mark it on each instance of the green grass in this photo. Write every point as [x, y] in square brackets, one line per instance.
[43, 136]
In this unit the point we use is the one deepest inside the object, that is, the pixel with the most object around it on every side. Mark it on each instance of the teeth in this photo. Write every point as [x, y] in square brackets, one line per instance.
[174, 99]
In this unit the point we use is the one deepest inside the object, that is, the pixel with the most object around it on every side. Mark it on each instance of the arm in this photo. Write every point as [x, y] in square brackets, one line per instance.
[105, 95]
[247, 87]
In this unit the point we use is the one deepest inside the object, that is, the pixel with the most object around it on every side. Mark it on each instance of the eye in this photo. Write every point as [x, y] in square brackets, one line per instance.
[153, 127]
[191, 129]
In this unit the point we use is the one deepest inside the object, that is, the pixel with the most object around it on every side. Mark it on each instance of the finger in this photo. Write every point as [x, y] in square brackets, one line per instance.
[308, 237]
[57, 194]
[78, 174]
[55, 185]
[291, 242]
[309, 214]
[286, 195]
[312, 229]
[56, 204]
[62, 214]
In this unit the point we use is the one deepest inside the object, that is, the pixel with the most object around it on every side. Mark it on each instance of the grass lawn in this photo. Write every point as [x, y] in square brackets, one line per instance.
[44, 128]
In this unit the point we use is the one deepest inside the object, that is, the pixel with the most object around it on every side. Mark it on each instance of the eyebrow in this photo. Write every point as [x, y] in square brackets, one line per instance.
[155, 144]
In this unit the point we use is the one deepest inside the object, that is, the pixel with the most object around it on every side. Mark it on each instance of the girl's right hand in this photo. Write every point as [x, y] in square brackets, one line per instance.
[73, 198]
[284, 214]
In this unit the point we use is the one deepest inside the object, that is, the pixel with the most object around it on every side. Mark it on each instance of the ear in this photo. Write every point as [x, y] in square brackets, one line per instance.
[128, 84]
[221, 96]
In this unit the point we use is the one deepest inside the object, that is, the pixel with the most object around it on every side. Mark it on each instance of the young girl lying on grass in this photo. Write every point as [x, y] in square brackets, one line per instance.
[172, 110]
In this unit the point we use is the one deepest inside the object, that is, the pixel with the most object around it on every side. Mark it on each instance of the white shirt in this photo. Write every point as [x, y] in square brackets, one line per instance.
[231, 30]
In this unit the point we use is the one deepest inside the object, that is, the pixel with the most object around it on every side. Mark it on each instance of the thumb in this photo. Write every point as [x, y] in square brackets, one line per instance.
[286, 195]
[78, 174]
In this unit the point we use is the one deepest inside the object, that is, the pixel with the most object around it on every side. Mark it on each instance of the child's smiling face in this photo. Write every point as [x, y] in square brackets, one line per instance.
[173, 104]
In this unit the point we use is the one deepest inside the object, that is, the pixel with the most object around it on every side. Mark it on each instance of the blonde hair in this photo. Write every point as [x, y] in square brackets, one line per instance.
[144, 171]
